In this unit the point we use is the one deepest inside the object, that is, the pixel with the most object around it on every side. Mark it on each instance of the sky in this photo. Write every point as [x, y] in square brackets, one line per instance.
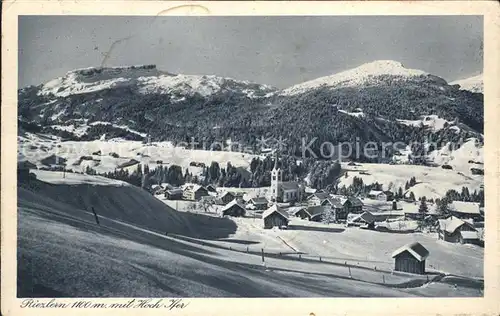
[278, 51]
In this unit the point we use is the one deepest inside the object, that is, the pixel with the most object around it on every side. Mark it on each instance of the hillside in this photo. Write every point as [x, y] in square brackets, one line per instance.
[380, 101]
[125, 256]
[472, 84]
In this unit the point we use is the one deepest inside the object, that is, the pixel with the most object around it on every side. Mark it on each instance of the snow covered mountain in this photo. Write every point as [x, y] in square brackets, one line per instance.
[472, 84]
[381, 101]
[146, 79]
[366, 73]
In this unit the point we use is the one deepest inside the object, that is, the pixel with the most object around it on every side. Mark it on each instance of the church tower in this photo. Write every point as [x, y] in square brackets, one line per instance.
[276, 179]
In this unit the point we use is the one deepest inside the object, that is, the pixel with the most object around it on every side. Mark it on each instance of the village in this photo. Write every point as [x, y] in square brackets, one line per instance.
[287, 208]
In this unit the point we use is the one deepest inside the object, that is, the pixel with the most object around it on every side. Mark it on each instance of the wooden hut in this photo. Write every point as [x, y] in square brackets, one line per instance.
[226, 197]
[275, 217]
[233, 209]
[410, 258]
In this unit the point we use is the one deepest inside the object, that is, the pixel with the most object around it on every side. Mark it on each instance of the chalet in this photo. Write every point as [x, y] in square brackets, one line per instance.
[454, 229]
[174, 194]
[410, 258]
[339, 206]
[259, 203]
[194, 192]
[275, 217]
[226, 197]
[364, 219]
[317, 198]
[411, 210]
[233, 208]
[465, 210]
[377, 195]
[313, 213]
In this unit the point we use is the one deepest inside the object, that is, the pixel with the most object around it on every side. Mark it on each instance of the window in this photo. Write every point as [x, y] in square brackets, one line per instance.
[274, 177]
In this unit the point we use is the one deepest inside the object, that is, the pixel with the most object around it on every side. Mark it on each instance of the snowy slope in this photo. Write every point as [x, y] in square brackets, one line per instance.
[432, 182]
[146, 79]
[127, 259]
[472, 84]
[36, 147]
[359, 75]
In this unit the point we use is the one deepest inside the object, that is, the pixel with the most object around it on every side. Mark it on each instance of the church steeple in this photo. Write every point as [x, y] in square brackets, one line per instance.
[276, 178]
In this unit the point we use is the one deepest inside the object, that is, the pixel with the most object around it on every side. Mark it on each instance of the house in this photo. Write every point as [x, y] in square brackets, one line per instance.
[174, 194]
[465, 210]
[364, 219]
[275, 217]
[226, 197]
[259, 203]
[454, 229]
[194, 192]
[410, 258]
[411, 210]
[313, 213]
[339, 206]
[281, 191]
[377, 195]
[233, 208]
[317, 198]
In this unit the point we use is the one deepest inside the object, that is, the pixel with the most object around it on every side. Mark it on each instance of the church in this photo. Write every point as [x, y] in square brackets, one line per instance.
[290, 191]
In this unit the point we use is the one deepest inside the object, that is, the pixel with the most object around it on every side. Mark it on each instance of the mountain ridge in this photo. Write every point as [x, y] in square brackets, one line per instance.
[380, 101]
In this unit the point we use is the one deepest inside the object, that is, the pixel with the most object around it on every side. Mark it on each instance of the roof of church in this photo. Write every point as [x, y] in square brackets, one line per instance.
[290, 185]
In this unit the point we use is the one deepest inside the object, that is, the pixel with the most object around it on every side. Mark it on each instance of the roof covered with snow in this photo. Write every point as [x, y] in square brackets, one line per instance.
[469, 234]
[231, 204]
[451, 224]
[416, 249]
[465, 207]
[274, 209]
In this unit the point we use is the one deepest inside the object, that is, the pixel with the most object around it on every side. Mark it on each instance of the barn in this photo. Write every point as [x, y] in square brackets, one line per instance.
[233, 209]
[275, 217]
[315, 213]
[226, 197]
[410, 258]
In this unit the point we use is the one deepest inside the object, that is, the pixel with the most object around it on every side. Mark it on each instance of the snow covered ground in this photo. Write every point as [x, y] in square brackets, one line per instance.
[432, 182]
[473, 84]
[128, 254]
[36, 147]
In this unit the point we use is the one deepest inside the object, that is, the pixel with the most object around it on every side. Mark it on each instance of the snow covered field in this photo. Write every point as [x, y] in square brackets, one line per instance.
[37, 147]
[129, 254]
[431, 182]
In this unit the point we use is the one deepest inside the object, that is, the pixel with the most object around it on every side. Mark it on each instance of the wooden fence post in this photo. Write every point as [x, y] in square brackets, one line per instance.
[247, 249]
[383, 279]
[262, 254]
[350, 276]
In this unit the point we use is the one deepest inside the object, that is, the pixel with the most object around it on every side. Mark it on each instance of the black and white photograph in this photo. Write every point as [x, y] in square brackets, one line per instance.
[250, 156]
